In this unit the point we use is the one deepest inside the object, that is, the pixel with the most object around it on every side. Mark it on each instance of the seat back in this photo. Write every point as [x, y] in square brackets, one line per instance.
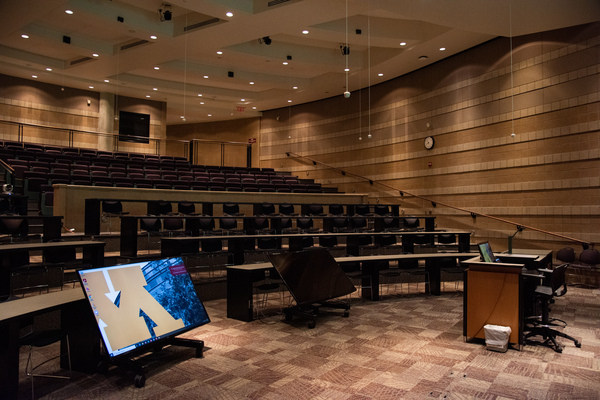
[557, 280]
[566, 255]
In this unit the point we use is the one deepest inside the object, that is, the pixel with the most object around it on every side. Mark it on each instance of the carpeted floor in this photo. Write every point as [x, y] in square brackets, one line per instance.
[408, 347]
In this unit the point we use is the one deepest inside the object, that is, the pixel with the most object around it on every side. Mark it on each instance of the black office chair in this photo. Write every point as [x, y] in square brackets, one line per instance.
[339, 224]
[17, 228]
[315, 209]
[362, 209]
[25, 276]
[150, 225]
[112, 209]
[229, 225]
[42, 339]
[286, 209]
[261, 225]
[336, 209]
[353, 271]
[174, 225]
[380, 209]
[554, 286]
[231, 209]
[304, 224]
[186, 208]
[410, 223]
[358, 224]
[267, 209]
[206, 225]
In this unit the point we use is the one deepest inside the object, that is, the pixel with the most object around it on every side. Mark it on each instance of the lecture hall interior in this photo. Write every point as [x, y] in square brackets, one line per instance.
[390, 143]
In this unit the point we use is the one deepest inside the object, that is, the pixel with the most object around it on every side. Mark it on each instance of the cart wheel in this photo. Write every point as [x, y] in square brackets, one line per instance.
[288, 317]
[311, 324]
[139, 380]
[346, 314]
[199, 352]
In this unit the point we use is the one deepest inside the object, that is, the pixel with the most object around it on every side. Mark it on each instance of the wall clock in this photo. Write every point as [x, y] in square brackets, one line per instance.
[429, 142]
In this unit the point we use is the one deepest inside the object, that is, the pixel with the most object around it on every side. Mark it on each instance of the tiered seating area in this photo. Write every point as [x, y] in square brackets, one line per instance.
[34, 168]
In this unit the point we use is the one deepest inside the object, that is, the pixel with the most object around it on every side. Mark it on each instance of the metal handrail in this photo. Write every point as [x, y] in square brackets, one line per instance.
[520, 227]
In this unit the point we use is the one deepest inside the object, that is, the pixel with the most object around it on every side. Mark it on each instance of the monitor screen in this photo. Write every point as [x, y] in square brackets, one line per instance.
[485, 250]
[136, 305]
[134, 127]
[312, 276]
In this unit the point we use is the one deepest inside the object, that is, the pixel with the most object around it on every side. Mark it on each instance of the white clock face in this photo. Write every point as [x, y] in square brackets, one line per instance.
[429, 142]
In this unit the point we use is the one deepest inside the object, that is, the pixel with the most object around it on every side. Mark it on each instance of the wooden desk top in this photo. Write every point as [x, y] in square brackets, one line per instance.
[259, 266]
[20, 308]
[48, 245]
[312, 234]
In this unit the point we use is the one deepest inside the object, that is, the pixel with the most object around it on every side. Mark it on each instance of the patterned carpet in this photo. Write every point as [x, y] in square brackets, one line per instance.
[408, 347]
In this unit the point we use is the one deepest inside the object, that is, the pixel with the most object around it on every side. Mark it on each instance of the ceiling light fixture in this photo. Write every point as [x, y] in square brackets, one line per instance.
[252, 83]
[442, 48]
[70, 12]
[219, 52]
[34, 76]
[157, 68]
[49, 69]
[153, 37]
[229, 14]
[402, 43]
[106, 81]
[95, 55]
[24, 36]
[305, 32]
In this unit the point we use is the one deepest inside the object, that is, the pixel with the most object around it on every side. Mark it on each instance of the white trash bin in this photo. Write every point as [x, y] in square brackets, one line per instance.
[496, 337]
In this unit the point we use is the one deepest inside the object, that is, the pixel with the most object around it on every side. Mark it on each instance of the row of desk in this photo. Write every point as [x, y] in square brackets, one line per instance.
[240, 278]
[237, 244]
[93, 254]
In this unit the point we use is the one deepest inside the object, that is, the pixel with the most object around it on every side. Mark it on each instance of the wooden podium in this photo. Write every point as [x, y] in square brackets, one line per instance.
[493, 295]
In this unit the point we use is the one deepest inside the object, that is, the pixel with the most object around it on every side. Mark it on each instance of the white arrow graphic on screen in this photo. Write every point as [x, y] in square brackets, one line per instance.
[112, 295]
[103, 325]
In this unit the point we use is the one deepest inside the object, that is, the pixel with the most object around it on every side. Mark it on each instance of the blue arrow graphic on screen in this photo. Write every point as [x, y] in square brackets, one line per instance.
[149, 323]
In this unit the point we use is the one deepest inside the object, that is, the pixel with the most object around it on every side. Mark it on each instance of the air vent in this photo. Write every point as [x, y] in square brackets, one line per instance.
[202, 24]
[80, 60]
[133, 44]
[276, 2]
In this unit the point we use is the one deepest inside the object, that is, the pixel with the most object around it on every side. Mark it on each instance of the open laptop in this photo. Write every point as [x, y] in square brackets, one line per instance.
[487, 255]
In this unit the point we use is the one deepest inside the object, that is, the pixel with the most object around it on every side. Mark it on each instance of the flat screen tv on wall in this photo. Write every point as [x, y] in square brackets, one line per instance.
[134, 127]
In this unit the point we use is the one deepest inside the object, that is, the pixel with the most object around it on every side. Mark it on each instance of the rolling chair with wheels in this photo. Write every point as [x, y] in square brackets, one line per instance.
[554, 286]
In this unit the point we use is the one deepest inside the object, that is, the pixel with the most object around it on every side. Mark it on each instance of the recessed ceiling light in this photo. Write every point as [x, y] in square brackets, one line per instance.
[154, 88]
[201, 102]
[49, 69]
[205, 76]
[106, 80]
[229, 14]
[157, 68]
[423, 58]
[289, 101]
[95, 55]
[153, 37]
[442, 48]
[305, 31]
[402, 43]
[380, 74]
[254, 107]
[285, 63]
[147, 95]
[70, 12]
[219, 52]
[199, 94]
[34, 76]
[242, 99]
[91, 87]
[295, 87]
[346, 69]
[252, 83]
[24, 36]
[210, 115]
